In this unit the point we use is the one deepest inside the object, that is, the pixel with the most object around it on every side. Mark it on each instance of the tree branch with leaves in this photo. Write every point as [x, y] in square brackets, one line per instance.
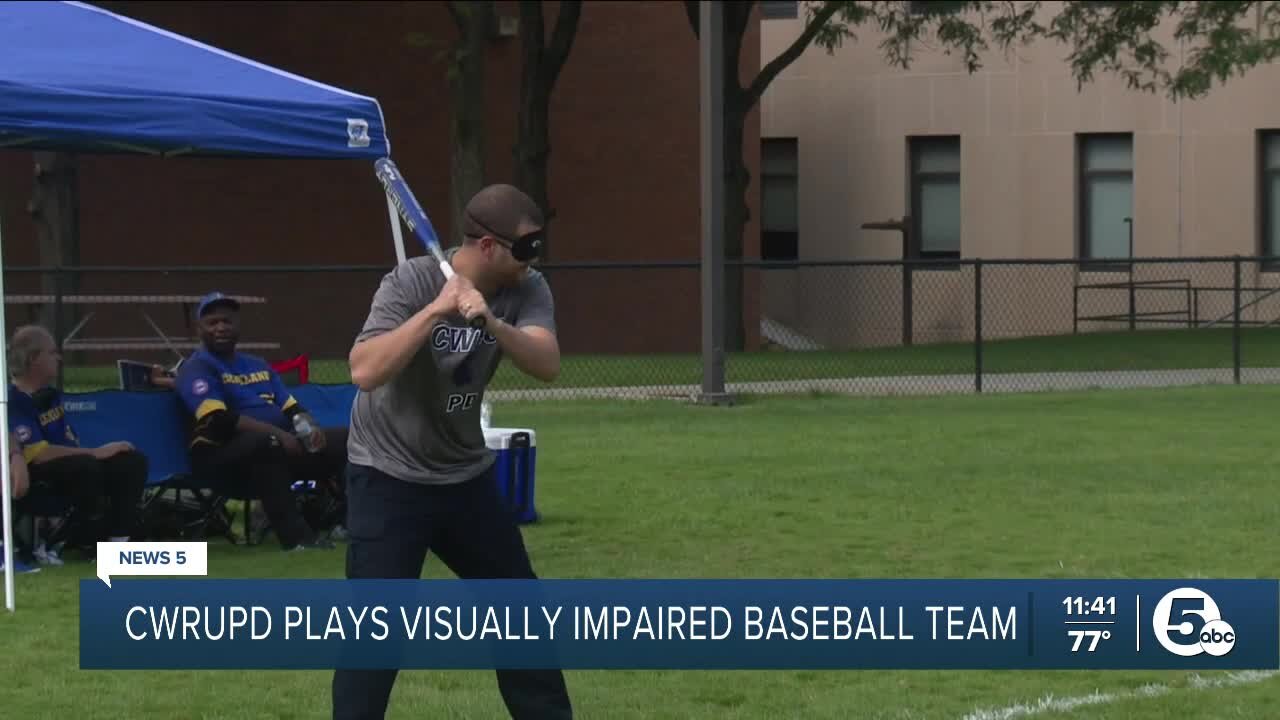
[1222, 39]
[466, 75]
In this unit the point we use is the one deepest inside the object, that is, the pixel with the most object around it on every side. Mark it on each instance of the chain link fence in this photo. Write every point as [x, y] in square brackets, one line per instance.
[634, 330]
[103, 315]
[1017, 326]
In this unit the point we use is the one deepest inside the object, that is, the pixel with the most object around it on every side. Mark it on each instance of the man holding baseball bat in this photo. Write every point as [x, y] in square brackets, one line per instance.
[419, 474]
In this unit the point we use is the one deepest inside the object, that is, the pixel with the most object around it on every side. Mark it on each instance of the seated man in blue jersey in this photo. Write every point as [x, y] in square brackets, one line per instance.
[18, 482]
[113, 475]
[243, 425]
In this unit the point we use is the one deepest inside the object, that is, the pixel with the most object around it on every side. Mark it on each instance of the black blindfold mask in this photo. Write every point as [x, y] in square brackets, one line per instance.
[527, 247]
[524, 249]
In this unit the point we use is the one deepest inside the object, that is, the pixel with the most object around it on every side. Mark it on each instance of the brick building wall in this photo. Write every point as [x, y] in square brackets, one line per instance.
[624, 176]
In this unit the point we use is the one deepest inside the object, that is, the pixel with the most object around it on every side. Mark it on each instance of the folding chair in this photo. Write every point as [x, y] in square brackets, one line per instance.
[194, 512]
[38, 505]
[155, 423]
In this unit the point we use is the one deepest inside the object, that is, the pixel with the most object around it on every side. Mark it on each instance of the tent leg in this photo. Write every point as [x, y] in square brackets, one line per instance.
[5, 480]
[395, 230]
[8, 502]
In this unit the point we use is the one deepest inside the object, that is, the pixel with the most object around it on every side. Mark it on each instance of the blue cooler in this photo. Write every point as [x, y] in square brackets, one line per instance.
[517, 452]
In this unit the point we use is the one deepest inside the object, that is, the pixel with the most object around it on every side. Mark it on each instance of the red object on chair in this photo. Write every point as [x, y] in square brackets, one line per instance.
[300, 365]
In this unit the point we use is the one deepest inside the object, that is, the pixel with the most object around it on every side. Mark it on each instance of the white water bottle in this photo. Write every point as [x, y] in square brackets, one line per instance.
[486, 413]
[305, 432]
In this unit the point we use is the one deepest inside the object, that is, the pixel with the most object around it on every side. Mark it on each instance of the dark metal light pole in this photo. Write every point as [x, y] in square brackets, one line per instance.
[903, 226]
[1133, 294]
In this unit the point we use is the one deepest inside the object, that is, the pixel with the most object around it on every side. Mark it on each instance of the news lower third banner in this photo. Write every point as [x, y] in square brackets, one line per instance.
[680, 624]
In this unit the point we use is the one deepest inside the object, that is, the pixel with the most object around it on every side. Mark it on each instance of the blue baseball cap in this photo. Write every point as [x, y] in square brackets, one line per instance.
[215, 298]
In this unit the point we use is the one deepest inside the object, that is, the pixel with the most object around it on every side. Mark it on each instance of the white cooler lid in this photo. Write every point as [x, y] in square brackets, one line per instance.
[500, 438]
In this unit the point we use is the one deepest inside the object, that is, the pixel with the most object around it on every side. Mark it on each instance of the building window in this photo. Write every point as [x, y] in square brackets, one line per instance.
[1270, 187]
[1106, 196]
[779, 10]
[779, 197]
[935, 197]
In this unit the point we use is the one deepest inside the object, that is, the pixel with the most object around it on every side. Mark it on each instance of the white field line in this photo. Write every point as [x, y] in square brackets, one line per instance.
[1051, 704]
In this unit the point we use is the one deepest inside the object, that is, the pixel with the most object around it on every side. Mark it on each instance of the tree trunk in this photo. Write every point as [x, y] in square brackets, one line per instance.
[533, 150]
[736, 215]
[55, 208]
[541, 64]
[466, 85]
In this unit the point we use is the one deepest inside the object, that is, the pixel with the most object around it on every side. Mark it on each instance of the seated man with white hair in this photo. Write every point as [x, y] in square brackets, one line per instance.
[113, 475]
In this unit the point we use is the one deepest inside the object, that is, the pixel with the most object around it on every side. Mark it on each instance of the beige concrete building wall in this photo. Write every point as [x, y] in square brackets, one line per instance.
[1195, 186]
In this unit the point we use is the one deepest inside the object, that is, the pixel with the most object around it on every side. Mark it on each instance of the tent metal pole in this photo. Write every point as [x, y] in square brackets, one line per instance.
[395, 230]
[5, 479]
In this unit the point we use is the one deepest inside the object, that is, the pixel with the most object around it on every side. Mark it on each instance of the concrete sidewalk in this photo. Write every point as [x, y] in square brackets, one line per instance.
[918, 384]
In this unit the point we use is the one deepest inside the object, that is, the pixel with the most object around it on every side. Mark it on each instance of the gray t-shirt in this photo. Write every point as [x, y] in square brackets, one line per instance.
[424, 424]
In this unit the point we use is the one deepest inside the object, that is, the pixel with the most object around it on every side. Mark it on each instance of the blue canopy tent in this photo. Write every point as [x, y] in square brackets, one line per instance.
[77, 78]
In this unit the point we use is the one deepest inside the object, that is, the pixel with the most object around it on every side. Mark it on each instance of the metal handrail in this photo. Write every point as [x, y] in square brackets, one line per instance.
[1242, 308]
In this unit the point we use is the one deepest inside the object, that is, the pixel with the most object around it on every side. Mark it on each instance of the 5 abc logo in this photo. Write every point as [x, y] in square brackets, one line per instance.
[1176, 631]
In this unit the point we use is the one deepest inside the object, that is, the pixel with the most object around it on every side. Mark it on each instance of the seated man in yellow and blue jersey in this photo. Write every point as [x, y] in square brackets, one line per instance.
[102, 485]
[243, 425]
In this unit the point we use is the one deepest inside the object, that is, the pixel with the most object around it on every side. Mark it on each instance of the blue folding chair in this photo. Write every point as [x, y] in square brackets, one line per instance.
[154, 423]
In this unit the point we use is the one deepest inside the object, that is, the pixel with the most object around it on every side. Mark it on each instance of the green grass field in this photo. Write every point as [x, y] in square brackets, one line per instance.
[1170, 483]
[1143, 350]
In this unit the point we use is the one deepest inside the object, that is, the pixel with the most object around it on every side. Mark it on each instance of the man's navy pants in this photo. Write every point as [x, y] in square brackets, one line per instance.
[392, 524]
